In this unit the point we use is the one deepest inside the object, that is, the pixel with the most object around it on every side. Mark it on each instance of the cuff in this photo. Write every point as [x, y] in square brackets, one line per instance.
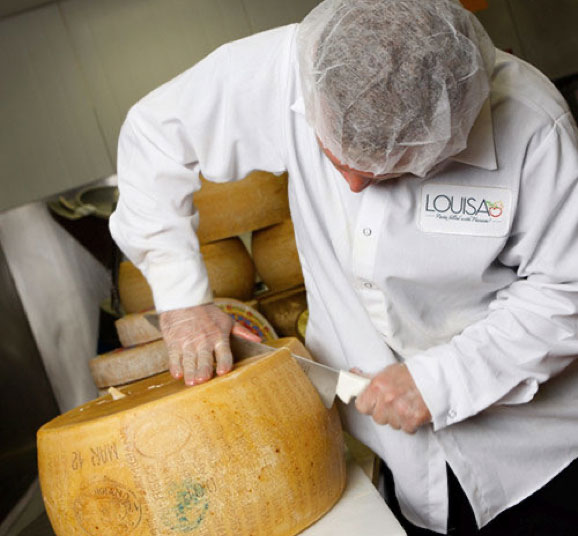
[453, 391]
[179, 284]
[440, 384]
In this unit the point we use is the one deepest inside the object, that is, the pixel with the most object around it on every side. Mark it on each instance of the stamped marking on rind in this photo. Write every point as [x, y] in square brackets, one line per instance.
[189, 506]
[107, 508]
[77, 460]
[103, 454]
[162, 436]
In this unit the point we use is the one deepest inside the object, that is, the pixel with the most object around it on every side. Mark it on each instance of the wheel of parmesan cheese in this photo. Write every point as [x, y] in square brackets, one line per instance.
[134, 291]
[233, 208]
[229, 266]
[254, 452]
[275, 256]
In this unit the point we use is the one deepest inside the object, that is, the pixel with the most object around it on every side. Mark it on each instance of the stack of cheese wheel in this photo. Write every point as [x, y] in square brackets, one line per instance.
[254, 452]
[229, 266]
[226, 210]
[277, 262]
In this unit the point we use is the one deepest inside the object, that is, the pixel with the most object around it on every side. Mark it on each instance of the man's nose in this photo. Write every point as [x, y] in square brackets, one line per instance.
[357, 183]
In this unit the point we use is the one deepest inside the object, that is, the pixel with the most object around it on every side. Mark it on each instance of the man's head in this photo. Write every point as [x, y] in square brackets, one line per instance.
[393, 86]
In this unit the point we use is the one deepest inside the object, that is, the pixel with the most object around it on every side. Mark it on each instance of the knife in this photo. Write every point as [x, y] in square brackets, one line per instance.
[328, 381]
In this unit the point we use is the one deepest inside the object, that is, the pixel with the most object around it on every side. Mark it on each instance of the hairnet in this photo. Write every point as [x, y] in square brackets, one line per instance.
[393, 85]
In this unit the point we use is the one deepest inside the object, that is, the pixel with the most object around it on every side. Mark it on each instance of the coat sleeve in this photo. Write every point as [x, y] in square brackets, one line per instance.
[531, 331]
[222, 116]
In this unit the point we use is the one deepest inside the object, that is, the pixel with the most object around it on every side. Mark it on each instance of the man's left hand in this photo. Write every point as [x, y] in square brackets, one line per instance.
[393, 398]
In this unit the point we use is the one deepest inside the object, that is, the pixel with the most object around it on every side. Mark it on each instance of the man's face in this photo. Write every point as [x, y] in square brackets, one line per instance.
[357, 180]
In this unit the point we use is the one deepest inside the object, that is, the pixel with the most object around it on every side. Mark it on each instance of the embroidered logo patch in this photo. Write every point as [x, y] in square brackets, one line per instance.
[466, 210]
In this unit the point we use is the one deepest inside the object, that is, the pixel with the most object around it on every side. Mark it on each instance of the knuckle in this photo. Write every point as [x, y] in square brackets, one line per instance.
[409, 428]
[205, 357]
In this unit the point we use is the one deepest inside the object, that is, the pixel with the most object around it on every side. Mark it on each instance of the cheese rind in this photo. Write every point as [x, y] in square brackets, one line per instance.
[275, 256]
[230, 268]
[250, 453]
[257, 201]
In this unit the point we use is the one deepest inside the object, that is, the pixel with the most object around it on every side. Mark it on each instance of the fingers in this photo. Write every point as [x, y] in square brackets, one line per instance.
[197, 364]
[175, 365]
[189, 362]
[223, 357]
[246, 333]
[365, 402]
[197, 340]
[204, 366]
[392, 398]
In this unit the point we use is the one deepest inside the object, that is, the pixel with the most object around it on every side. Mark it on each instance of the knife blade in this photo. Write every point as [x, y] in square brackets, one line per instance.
[328, 381]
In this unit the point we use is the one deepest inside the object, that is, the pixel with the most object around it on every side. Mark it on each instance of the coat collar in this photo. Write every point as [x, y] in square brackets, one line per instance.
[481, 150]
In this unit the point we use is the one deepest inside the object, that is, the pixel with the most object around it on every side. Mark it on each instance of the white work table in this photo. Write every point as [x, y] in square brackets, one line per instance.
[361, 510]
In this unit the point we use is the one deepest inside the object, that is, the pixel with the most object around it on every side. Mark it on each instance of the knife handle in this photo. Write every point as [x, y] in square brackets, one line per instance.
[350, 385]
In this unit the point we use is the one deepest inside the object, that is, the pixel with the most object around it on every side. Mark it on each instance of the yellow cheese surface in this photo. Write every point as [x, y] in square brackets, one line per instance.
[275, 256]
[254, 452]
[256, 202]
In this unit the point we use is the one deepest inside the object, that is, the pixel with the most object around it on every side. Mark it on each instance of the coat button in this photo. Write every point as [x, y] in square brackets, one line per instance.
[367, 231]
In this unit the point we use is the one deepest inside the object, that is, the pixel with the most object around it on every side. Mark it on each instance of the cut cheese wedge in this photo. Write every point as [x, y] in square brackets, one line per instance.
[275, 256]
[126, 365]
[233, 208]
[254, 452]
[134, 329]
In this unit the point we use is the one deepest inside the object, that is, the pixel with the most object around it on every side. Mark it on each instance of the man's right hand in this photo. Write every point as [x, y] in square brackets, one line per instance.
[197, 340]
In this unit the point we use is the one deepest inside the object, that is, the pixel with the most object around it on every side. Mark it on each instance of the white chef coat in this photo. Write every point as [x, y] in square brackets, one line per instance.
[469, 276]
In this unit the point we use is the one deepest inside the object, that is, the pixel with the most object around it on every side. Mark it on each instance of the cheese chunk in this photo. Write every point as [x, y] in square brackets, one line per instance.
[125, 365]
[134, 328]
[254, 452]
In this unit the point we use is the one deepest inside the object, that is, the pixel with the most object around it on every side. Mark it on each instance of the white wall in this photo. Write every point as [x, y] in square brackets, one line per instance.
[71, 70]
[543, 32]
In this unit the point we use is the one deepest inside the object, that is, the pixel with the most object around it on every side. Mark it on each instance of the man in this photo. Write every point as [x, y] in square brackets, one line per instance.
[445, 265]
